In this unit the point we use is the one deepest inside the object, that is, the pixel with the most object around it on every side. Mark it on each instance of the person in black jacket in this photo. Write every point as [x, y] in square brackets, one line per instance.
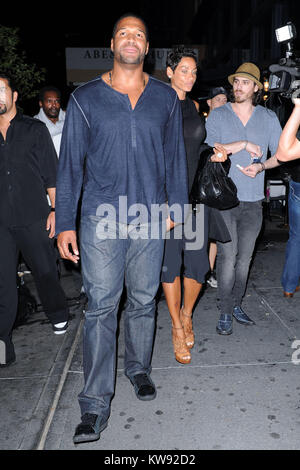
[28, 164]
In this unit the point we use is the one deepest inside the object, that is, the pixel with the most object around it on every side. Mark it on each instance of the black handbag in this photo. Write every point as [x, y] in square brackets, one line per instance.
[212, 186]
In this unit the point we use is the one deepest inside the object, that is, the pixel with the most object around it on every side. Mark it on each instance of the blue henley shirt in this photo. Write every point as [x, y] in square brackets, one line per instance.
[113, 150]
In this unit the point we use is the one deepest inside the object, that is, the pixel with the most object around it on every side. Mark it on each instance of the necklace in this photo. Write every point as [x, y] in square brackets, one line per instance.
[111, 83]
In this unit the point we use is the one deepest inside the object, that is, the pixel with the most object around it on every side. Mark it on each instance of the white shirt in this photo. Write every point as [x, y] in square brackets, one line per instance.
[54, 129]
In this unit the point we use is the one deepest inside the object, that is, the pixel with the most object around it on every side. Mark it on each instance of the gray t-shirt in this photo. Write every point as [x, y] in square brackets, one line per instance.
[263, 128]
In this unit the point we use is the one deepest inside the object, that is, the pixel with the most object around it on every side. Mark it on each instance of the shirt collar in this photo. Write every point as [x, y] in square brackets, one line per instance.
[17, 117]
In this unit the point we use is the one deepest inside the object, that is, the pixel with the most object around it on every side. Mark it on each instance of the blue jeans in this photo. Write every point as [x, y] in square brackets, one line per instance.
[106, 263]
[233, 258]
[291, 270]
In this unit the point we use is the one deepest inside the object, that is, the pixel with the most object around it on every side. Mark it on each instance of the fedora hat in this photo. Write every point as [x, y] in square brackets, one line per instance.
[247, 70]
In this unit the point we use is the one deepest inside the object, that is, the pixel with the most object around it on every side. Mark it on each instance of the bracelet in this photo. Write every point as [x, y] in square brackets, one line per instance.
[52, 209]
[246, 143]
[262, 166]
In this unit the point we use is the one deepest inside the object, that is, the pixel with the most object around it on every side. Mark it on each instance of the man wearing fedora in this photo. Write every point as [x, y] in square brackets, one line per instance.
[247, 131]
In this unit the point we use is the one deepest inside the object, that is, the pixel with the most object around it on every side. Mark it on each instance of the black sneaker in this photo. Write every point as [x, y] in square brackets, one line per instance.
[89, 429]
[60, 328]
[144, 387]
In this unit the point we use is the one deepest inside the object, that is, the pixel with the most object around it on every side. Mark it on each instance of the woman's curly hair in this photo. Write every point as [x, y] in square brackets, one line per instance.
[177, 53]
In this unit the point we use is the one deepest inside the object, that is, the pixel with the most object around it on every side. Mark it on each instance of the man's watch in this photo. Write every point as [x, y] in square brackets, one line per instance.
[52, 209]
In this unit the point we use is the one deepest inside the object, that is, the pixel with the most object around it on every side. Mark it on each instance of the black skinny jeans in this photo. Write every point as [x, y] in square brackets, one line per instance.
[39, 254]
[233, 258]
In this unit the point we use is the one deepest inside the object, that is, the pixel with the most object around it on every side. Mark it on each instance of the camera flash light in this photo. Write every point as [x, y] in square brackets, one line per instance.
[286, 33]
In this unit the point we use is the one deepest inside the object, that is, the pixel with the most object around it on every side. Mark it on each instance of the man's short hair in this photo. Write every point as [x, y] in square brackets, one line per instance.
[128, 15]
[176, 54]
[45, 89]
[11, 83]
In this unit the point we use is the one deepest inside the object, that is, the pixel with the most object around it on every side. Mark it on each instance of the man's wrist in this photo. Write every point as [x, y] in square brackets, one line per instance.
[245, 144]
[262, 167]
[52, 209]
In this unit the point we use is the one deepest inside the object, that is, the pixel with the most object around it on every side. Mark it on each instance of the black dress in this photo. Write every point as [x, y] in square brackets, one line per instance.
[180, 250]
[194, 135]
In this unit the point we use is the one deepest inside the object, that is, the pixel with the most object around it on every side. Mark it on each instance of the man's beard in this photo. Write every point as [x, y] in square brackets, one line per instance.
[241, 98]
[52, 113]
[132, 60]
[3, 109]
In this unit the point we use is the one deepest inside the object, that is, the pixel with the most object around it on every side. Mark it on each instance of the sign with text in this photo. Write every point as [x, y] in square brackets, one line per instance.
[85, 63]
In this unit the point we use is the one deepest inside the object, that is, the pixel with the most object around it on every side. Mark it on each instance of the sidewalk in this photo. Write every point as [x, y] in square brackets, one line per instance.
[239, 392]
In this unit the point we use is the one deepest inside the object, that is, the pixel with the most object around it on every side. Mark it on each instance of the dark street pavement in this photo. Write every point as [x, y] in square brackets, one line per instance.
[239, 392]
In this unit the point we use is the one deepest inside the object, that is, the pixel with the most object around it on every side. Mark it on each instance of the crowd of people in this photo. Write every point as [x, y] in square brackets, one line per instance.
[126, 144]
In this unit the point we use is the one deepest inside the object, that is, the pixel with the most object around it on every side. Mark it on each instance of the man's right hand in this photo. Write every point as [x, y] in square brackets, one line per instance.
[64, 240]
[169, 224]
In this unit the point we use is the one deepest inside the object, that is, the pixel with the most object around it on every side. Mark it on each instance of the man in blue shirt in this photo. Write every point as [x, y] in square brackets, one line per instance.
[125, 128]
[246, 130]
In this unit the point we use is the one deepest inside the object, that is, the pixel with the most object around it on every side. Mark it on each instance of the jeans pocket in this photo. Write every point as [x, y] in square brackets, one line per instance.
[294, 193]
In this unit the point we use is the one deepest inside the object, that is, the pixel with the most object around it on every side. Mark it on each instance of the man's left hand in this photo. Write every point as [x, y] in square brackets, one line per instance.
[251, 170]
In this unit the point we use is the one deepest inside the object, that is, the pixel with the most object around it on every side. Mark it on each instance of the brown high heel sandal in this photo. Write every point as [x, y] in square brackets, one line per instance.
[187, 324]
[181, 351]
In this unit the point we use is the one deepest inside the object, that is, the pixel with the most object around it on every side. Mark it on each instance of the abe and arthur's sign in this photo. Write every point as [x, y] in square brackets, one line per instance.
[84, 64]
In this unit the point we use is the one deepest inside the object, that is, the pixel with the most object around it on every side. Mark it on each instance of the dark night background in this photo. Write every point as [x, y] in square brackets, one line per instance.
[226, 28]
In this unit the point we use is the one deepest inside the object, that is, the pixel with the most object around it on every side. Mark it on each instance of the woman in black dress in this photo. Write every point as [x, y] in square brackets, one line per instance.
[182, 72]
